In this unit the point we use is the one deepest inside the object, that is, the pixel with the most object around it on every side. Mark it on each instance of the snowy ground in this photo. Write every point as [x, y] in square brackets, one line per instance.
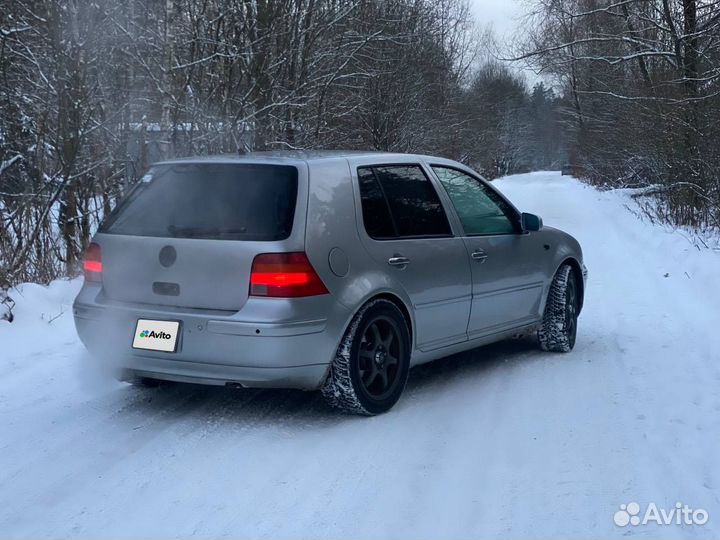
[503, 441]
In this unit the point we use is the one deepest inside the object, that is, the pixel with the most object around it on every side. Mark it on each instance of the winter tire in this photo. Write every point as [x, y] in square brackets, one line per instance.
[558, 330]
[371, 365]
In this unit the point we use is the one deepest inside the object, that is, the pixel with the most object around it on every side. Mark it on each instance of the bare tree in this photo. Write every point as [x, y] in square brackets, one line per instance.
[93, 92]
[641, 80]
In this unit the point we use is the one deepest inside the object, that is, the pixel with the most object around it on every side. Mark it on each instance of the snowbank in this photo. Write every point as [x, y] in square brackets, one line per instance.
[43, 314]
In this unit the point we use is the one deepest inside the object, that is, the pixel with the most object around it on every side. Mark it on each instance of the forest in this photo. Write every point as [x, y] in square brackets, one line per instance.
[640, 81]
[92, 92]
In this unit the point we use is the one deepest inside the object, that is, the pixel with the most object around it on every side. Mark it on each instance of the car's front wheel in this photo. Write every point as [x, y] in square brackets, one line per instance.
[558, 330]
[371, 365]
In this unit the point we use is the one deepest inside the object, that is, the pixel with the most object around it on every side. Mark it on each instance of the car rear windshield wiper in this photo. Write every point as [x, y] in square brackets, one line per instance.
[190, 232]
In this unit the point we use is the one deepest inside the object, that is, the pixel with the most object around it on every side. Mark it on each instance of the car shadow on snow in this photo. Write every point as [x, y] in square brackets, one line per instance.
[247, 407]
[473, 363]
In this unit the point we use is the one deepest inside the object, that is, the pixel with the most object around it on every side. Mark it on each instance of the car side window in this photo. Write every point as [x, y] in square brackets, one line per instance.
[375, 210]
[414, 205]
[481, 210]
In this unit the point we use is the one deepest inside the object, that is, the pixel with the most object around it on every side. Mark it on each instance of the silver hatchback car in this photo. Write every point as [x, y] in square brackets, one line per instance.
[335, 271]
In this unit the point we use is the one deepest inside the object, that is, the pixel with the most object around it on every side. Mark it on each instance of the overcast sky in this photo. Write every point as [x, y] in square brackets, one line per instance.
[502, 14]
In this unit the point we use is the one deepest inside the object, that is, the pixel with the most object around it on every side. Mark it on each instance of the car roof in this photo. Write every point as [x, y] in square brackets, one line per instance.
[294, 156]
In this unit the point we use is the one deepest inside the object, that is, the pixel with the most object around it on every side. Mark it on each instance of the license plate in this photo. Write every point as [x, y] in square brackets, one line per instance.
[156, 335]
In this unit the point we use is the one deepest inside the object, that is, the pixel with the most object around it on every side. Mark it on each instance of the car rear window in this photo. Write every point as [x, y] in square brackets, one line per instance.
[209, 200]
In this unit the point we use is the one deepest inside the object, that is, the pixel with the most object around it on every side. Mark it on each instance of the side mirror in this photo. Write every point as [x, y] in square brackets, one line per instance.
[531, 222]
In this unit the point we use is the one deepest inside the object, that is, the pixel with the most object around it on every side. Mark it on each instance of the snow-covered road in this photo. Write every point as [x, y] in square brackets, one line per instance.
[503, 441]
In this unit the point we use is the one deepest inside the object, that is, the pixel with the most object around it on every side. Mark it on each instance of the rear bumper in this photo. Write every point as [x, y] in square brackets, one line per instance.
[302, 377]
[216, 349]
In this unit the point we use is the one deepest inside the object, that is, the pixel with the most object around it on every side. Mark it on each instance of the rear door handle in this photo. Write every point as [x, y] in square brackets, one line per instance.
[398, 260]
[479, 255]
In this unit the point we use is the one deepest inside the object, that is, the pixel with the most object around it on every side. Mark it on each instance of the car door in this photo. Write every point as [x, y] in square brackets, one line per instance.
[405, 230]
[507, 263]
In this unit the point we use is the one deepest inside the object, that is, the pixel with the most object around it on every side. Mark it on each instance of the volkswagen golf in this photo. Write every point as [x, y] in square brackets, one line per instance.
[330, 271]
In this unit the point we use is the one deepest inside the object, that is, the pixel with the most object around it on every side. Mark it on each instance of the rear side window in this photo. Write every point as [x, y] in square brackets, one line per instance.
[400, 201]
[375, 209]
[210, 200]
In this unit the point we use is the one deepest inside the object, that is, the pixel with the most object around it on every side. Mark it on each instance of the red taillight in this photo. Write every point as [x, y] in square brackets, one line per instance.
[286, 275]
[93, 263]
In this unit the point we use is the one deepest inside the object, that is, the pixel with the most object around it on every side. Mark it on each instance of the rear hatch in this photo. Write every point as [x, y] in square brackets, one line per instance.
[186, 235]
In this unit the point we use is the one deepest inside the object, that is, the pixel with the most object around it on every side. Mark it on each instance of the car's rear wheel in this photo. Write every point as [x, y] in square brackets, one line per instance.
[372, 362]
[558, 330]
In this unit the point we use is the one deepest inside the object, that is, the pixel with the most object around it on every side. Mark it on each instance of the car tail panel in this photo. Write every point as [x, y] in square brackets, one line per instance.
[187, 235]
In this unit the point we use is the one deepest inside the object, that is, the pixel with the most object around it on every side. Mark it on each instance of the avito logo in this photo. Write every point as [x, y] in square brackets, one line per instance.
[680, 514]
[153, 334]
